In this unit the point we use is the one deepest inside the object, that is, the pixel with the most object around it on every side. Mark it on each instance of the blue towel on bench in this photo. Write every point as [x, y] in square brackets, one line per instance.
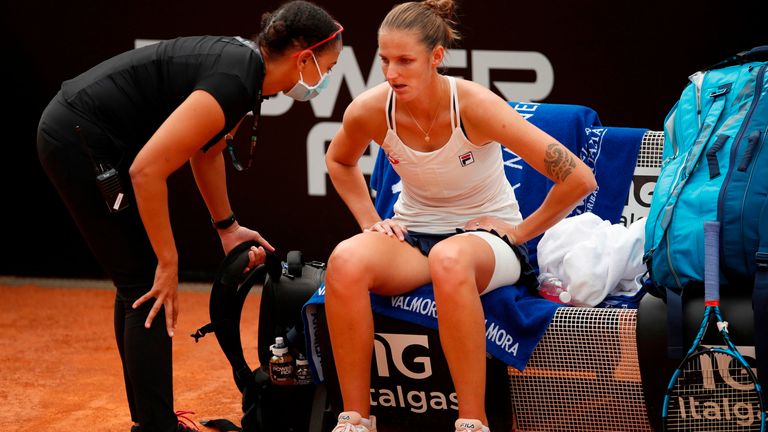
[516, 319]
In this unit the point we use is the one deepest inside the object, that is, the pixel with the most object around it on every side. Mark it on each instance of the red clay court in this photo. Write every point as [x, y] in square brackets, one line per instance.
[60, 369]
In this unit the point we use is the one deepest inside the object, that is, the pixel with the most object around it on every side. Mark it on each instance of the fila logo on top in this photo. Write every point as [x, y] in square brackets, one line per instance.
[466, 158]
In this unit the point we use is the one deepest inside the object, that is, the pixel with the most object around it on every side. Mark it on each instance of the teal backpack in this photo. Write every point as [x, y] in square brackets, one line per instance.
[714, 167]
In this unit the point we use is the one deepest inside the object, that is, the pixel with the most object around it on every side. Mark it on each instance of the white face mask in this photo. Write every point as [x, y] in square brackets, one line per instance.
[302, 91]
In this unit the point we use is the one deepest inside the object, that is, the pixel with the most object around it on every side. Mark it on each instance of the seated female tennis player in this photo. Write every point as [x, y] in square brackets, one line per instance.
[443, 136]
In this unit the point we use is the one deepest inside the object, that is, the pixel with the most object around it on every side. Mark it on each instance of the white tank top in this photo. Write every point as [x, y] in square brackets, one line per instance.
[445, 188]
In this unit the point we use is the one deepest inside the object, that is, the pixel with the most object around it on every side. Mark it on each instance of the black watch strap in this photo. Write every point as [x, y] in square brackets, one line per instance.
[224, 223]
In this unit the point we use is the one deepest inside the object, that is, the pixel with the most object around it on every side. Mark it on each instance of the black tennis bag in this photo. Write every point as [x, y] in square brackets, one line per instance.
[286, 287]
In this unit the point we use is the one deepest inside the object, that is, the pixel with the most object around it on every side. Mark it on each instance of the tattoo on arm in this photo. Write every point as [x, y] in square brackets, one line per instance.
[559, 162]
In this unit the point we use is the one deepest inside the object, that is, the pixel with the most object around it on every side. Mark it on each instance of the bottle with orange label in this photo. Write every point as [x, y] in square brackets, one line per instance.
[281, 367]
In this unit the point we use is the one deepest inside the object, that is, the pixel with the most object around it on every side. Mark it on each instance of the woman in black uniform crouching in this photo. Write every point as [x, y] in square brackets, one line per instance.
[111, 137]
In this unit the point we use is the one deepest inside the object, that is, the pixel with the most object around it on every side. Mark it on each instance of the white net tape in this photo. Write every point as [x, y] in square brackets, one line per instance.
[583, 376]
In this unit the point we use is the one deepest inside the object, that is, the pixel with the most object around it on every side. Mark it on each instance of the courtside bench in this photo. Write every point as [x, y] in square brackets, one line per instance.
[595, 369]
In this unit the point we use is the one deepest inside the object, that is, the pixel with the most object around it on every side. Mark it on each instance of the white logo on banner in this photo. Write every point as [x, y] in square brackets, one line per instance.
[401, 395]
[640, 194]
[396, 345]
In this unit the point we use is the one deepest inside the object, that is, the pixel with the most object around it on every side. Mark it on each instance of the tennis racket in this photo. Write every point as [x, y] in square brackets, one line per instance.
[713, 389]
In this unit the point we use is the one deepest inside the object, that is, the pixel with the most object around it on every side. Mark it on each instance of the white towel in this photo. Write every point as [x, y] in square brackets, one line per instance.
[593, 258]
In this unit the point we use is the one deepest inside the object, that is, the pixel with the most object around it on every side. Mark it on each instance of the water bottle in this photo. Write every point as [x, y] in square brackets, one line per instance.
[303, 374]
[281, 370]
[552, 288]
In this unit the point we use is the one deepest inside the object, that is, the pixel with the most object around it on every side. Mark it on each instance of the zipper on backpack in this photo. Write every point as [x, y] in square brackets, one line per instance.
[739, 137]
[669, 126]
[698, 79]
[746, 253]
[752, 141]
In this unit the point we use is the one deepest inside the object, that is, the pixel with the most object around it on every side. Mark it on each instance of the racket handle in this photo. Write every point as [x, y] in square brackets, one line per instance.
[712, 263]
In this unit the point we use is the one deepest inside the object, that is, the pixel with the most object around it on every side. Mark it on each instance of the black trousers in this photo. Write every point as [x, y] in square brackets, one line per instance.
[121, 246]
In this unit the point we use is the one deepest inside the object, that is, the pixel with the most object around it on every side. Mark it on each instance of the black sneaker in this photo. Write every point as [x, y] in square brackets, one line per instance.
[185, 423]
[182, 426]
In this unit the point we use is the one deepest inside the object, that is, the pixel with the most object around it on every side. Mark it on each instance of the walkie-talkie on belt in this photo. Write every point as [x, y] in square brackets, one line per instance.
[106, 179]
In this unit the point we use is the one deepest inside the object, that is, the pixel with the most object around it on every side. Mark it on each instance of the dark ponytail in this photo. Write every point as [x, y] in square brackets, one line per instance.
[296, 24]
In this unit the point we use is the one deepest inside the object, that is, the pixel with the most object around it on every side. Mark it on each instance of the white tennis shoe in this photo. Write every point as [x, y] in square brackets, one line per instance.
[470, 425]
[350, 421]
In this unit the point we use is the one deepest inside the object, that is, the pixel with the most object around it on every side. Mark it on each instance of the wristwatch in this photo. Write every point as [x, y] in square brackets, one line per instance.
[224, 223]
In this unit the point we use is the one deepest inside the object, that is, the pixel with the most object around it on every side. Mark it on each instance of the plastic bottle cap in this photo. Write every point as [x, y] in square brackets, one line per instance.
[302, 361]
[565, 297]
[279, 347]
[277, 351]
